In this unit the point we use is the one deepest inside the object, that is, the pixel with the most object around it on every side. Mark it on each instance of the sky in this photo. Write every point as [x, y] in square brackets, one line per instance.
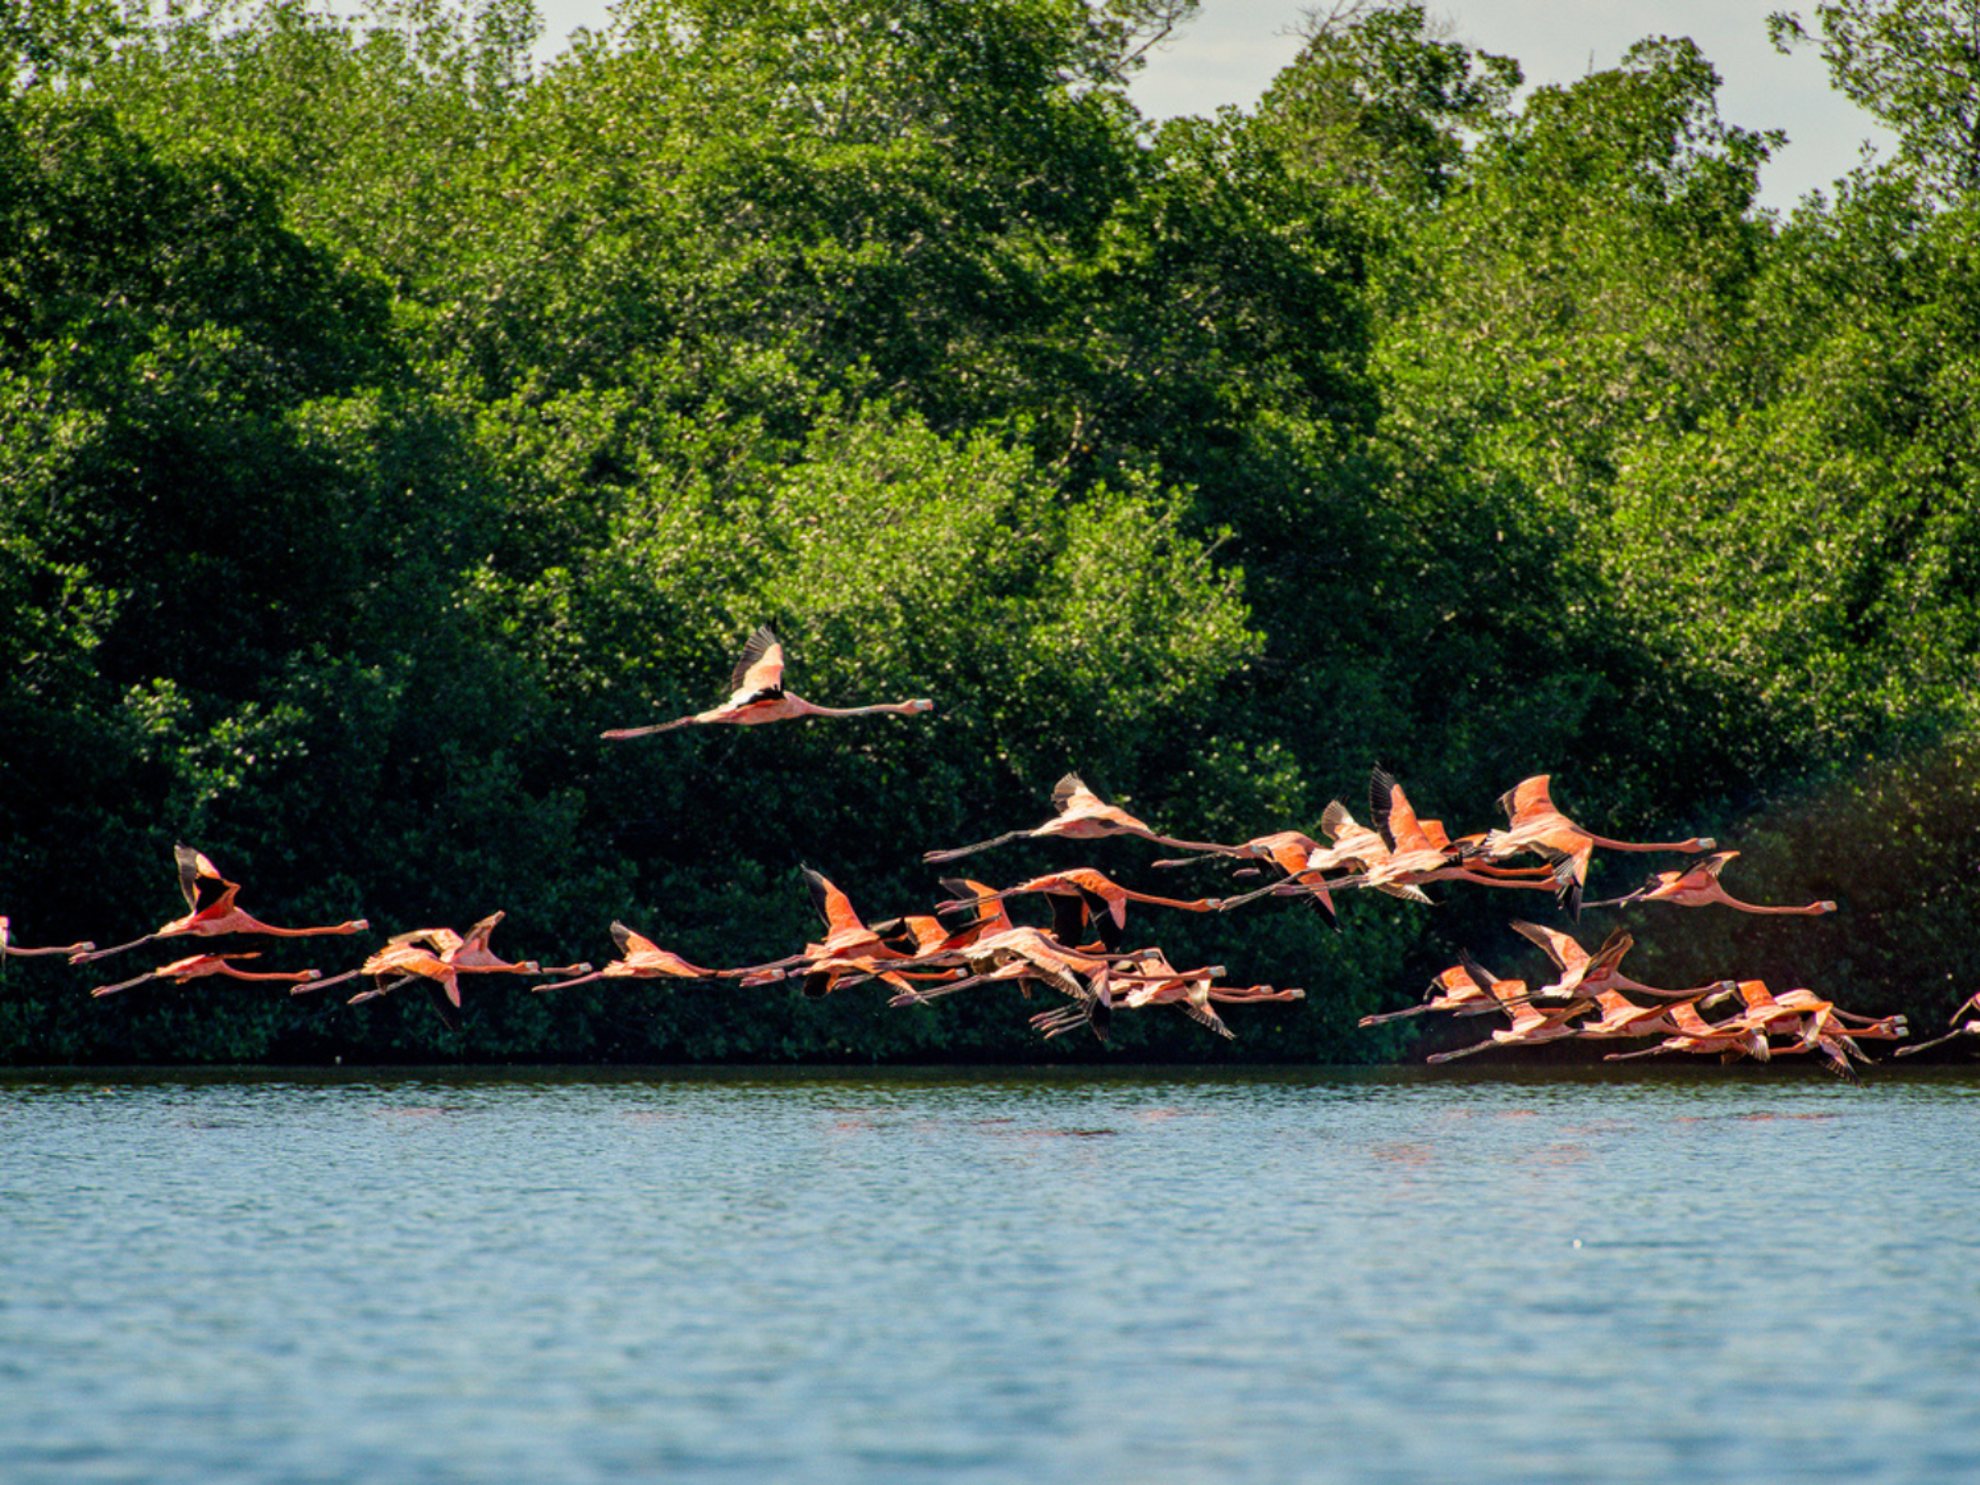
[1234, 48]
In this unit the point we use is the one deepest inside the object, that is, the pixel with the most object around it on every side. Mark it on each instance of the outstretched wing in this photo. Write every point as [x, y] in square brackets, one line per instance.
[761, 667]
[192, 867]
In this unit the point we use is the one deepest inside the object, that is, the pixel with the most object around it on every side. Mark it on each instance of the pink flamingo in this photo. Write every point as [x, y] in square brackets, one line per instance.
[1081, 896]
[1292, 851]
[218, 917]
[1530, 1023]
[1729, 1039]
[1420, 850]
[640, 959]
[757, 694]
[1082, 815]
[1695, 886]
[1583, 973]
[1536, 825]
[196, 965]
[442, 955]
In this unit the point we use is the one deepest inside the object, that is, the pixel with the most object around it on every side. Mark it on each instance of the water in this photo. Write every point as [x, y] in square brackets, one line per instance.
[991, 1276]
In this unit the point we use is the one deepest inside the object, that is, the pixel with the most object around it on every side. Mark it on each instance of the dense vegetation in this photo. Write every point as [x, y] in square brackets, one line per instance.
[382, 417]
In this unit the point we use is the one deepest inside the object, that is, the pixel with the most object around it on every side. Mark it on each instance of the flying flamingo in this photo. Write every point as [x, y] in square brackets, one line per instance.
[1530, 1023]
[413, 955]
[1763, 1008]
[7, 949]
[757, 694]
[1292, 852]
[1082, 815]
[1536, 825]
[1729, 1039]
[1024, 954]
[442, 955]
[1081, 896]
[1456, 989]
[1420, 851]
[219, 916]
[1355, 847]
[850, 946]
[1820, 1028]
[640, 959]
[1152, 980]
[196, 965]
[1695, 886]
[1622, 1017]
[1583, 973]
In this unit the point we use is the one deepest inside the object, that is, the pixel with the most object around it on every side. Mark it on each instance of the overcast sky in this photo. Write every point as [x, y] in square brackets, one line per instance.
[1233, 49]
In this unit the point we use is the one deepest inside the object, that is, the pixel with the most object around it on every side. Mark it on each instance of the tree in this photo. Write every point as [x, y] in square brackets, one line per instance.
[1915, 64]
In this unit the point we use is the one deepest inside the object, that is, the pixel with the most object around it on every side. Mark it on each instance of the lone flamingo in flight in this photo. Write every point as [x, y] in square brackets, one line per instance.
[757, 694]
[219, 916]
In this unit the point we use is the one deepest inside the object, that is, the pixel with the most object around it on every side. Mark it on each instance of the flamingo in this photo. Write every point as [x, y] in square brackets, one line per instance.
[1420, 851]
[1023, 954]
[1149, 979]
[1622, 1017]
[1292, 852]
[1355, 846]
[849, 945]
[1819, 1027]
[411, 956]
[218, 917]
[7, 949]
[640, 959]
[1081, 896]
[1583, 973]
[1534, 824]
[1455, 989]
[1695, 886]
[1530, 1023]
[1730, 1039]
[1082, 815]
[442, 955]
[1763, 1007]
[196, 965]
[1152, 980]
[757, 694]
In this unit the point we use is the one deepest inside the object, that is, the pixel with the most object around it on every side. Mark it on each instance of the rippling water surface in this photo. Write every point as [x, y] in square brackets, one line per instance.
[1290, 1275]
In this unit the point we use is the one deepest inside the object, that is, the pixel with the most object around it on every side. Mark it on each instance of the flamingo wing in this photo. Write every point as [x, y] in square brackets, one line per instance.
[760, 670]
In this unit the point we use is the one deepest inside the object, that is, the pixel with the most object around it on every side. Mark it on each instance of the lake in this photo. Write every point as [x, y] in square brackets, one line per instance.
[1504, 1274]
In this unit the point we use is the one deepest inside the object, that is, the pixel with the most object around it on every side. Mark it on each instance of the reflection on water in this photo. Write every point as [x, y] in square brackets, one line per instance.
[989, 1274]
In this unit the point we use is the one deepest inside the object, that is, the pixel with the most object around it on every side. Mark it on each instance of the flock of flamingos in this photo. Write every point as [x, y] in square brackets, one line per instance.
[922, 957]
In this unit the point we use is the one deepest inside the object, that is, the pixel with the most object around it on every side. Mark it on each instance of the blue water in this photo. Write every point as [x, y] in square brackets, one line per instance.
[990, 1275]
